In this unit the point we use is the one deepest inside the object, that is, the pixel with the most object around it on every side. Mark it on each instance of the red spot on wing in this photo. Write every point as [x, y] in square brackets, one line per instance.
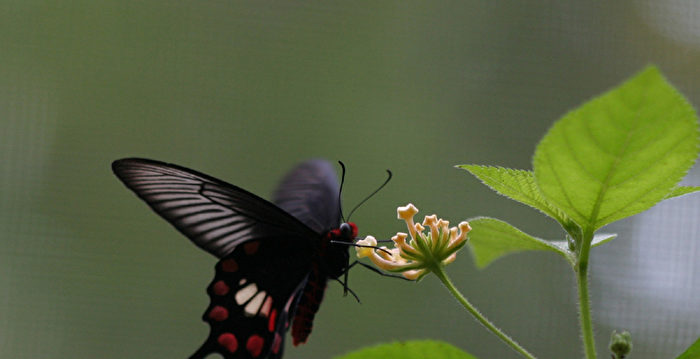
[221, 288]
[229, 265]
[255, 345]
[265, 310]
[251, 247]
[218, 313]
[228, 341]
[271, 322]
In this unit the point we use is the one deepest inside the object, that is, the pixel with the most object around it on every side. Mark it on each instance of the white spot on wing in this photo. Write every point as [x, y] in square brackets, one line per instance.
[246, 293]
[254, 305]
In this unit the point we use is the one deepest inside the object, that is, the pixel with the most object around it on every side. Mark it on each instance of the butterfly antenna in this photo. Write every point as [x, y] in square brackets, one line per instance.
[340, 192]
[388, 178]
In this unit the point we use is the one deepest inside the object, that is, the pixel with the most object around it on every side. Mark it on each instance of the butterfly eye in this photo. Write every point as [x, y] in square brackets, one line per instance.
[346, 230]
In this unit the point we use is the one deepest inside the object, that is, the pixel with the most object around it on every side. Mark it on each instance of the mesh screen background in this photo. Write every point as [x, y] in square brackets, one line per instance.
[244, 90]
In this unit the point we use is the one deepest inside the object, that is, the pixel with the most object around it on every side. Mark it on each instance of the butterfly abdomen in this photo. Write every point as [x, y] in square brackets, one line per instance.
[332, 262]
[308, 306]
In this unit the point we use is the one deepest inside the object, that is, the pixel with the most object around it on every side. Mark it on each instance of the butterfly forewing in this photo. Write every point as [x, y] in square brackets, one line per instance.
[213, 214]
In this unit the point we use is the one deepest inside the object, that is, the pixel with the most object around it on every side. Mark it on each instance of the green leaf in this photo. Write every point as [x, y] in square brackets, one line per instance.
[518, 185]
[693, 351]
[620, 153]
[681, 190]
[409, 350]
[491, 239]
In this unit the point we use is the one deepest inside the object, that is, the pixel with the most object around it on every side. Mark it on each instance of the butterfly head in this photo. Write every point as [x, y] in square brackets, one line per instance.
[347, 231]
[334, 250]
[344, 234]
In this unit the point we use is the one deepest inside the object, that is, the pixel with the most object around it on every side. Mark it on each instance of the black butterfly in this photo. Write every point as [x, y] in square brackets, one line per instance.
[275, 259]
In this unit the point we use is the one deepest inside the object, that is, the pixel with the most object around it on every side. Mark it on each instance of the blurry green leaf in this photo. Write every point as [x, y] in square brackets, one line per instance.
[681, 190]
[409, 350]
[491, 239]
[620, 153]
[518, 185]
[693, 351]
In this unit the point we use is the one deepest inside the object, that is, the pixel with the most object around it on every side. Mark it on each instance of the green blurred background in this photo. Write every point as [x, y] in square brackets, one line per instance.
[244, 90]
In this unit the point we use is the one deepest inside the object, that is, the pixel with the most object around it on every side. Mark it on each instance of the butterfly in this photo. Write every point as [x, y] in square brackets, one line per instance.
[274, 258]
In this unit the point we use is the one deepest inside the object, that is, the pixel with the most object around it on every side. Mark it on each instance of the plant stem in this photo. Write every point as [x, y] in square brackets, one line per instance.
[440, 273]
[583, 298]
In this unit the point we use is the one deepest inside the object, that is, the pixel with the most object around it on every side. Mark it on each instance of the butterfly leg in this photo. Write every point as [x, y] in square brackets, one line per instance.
[348, 290]
[344, 282]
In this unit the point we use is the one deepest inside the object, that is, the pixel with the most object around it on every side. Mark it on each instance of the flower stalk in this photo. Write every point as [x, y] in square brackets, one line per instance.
[584, 301]
[480, 317]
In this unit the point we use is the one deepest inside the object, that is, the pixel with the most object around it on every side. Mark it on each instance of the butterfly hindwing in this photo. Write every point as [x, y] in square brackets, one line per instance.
[253, 296]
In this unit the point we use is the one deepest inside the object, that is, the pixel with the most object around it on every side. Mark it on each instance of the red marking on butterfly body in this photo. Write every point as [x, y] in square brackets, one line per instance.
[308, 306]
[315, 287]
